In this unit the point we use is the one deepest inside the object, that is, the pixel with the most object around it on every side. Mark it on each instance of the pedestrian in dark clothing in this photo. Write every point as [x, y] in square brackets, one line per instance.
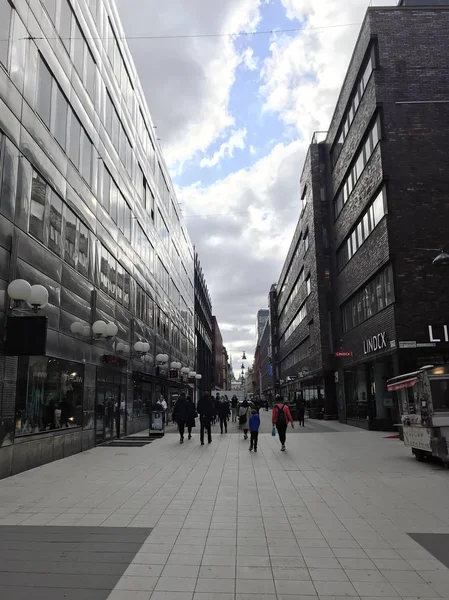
[244, 415]
[254, 424]
[223, 414]
[181, 415]
[206, 411]
[190, 423]
[234, 405]
[216, 402]
[301, 411]
[281, 418]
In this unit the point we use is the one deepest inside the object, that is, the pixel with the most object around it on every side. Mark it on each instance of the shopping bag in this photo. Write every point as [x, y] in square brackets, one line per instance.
[273, 431]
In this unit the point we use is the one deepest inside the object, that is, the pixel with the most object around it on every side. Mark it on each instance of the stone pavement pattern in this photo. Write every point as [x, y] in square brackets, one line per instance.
[328, 519]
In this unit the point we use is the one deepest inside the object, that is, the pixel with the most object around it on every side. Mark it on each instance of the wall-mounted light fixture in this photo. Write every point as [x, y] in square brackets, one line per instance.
[99, 330]
[20, 291]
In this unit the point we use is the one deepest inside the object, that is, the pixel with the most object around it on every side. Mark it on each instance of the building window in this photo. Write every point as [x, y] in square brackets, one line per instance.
[85, 166]
[55, 230]
[162, 229]
[65, 24]
[299, 318]
[51, 395]
[368, 301]
[78, 45]
[362, 158]
[59, 127]
[83, 252]
[372, 216]
[5, 26]
[75, 140]
[91, 74]
[306, 241]
[37, 211]
[351, 110]
[44, 92]
[70, 228]
[308, 286]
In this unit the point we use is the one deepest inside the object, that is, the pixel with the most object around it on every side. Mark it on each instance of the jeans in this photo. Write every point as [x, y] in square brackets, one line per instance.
[224, 422]
[301, 419]
[254, 438]
[205, 424]
[234, 414]
[181, 426]
[282, 433]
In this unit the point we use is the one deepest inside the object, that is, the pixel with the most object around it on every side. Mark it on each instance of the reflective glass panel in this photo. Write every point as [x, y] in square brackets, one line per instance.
[44, 86]
[60, 119]
[70, 223]
[37, 211]
[5, 23]
[55, 230]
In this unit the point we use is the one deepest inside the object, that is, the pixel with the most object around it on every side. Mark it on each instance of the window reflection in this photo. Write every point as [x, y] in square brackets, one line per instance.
[60, 118]
[75, 140]
[83, 250]
[65, 24]
[5, 24]
[70, 221]
[51, 394]
[37, 211]
[54, 234]
[44, 93]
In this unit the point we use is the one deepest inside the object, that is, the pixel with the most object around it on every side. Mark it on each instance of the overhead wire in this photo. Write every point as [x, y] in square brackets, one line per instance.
[202, 35]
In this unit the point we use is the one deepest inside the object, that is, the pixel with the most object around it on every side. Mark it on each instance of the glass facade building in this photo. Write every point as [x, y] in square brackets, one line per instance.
[87, 209]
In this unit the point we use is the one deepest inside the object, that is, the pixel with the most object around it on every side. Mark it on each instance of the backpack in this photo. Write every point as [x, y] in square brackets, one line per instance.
[281, 419]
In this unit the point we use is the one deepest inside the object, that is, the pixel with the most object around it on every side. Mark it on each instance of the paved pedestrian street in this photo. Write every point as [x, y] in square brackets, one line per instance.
[343, 513]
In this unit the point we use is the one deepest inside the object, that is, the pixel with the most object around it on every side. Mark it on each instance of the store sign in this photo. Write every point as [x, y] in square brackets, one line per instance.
[173, 374]
[375, 343]
[114, 361]
[343, 354]
[407, 345]
[417, 437]
[443, 334]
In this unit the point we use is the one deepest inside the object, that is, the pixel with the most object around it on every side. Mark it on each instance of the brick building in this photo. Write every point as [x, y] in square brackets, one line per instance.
[374, 195]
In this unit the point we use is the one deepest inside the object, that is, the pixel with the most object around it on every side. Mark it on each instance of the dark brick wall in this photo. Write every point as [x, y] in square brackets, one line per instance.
[415, 67]
[316, 264]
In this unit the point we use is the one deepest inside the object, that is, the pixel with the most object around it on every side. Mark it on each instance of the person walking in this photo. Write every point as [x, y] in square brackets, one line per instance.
[223, 414]
[254, 425]
[301, 411]
[234, 405]
[206, 411]
[281, 417]
[191, 414]
[244, 413]
[181, 415]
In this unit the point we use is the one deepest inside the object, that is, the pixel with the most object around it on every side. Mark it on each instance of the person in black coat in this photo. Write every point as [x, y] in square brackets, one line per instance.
[206, 411]
[223, 414]
[191, 414]
[181, 415]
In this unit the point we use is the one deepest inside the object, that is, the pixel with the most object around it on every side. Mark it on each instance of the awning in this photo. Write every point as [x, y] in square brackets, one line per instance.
[401, 385]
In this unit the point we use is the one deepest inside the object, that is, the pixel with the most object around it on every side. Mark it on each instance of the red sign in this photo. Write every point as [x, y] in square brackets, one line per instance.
[173, 373]
[112, 360]
[343, 354]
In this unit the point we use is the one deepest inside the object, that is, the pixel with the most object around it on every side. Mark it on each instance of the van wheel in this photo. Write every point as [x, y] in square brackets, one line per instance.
[420, 455]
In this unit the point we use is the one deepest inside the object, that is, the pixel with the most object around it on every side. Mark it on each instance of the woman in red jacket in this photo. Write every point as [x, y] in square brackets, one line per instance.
[281, 418]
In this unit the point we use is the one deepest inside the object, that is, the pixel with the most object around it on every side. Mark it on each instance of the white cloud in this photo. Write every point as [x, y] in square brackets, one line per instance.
[252, 150]
[304, 74]
[187, 81]
[242, 227]
[236, 140]
[249, 60]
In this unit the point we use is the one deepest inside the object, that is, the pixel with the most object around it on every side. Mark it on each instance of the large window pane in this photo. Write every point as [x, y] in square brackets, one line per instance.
[65, 24]
[75, 140]
[114, 201]
[86, 166]
[5, 24]
[78, 50]
[70, 224]
[104, 270]
[90, 74]
[379, 208]
[106, 196]
[83, 253]
[37, 211]
[44, 93]
[60, 119]
[54, 234]
[52, 395]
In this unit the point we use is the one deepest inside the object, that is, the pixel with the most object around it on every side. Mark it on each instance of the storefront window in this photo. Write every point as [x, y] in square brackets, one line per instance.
[356, 394]
[50, 395]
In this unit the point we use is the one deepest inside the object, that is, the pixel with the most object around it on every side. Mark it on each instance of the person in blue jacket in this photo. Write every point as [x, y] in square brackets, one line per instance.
[254, 424]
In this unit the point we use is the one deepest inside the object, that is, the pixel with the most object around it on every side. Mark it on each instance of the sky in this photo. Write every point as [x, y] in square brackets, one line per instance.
[235, 114]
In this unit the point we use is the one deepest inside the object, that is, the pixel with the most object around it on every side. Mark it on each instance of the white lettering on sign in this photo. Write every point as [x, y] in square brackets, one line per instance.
[432, 337]
[417, 437]
[375, 343]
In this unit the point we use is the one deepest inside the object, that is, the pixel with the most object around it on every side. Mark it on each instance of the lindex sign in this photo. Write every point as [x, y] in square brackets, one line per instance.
[343, 354]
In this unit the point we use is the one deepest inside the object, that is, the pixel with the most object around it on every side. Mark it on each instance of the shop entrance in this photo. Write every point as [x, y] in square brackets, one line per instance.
[110, 406]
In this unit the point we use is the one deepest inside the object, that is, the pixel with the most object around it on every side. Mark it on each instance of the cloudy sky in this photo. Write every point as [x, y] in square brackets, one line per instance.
[235, 114]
